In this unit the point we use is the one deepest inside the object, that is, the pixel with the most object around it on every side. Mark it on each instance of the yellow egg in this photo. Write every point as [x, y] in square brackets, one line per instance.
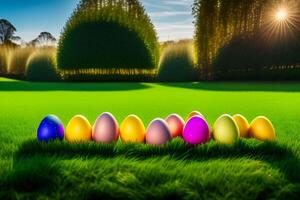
[262, 129]
[132, 130]
[79, 130]
[225, 130]
[242, 124]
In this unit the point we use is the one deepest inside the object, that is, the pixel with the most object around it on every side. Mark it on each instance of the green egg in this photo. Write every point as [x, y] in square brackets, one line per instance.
[225, 130]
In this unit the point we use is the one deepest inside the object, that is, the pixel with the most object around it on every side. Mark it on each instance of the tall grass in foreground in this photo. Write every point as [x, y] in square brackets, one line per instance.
[246, 170]
[177, 62]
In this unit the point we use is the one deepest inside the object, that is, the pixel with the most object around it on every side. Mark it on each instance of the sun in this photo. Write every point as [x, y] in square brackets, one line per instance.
[281, 15]
[281, 21]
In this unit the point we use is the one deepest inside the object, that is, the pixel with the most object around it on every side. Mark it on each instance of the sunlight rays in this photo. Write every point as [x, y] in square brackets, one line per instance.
[282, 20]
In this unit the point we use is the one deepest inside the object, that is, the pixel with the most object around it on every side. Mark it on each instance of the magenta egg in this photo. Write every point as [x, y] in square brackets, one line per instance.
[106, 129]
[196, 131]
[158, 132]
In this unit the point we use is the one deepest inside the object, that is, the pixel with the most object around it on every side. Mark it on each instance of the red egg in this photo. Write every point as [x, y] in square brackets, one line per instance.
[158, 132]
[106, 129]
[175, 124]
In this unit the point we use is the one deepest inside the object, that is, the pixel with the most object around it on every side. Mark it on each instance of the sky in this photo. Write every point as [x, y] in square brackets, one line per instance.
[172, 18]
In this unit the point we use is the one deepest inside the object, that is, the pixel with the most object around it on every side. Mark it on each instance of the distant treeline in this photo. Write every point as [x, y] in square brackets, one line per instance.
[115, 40]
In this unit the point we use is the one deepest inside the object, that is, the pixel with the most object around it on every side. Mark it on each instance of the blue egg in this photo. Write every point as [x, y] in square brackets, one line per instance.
[51, 128]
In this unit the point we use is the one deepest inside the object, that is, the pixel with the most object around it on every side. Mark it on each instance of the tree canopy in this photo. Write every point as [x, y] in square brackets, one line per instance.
[43, 39]
[7, 31]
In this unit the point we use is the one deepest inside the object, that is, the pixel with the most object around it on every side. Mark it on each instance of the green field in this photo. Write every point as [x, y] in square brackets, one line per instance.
[247, 170]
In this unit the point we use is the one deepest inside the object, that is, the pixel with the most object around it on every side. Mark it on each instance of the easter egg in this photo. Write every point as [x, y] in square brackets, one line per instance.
[196, 131]
[175, 124]
[194, 113]
[262, 129]
[158, 132]
[79, 130]
[105, 129]
[242, 124]
[225, 130]
[132, 130]
[50, 128]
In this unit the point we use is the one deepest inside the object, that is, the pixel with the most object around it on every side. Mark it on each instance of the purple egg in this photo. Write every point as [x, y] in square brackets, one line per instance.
[158, 132]
[196, 131]
[106, 129]
[51, 128]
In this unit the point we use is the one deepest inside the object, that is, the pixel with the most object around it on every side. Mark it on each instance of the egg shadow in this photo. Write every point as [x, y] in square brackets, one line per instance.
[276, 155]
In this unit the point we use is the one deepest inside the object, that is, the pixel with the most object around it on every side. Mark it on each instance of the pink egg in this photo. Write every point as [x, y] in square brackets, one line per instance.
[196, 131]
[175, 124]
[158, 132]
[106, 129]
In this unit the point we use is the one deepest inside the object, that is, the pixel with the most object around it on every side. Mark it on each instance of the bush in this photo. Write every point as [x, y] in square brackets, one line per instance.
[251, 56]
[108, 35]
[177, 63]
[18, 60]
[41, 66]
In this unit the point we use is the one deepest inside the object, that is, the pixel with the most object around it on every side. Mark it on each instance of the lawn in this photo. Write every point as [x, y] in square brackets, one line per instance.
[247, 170]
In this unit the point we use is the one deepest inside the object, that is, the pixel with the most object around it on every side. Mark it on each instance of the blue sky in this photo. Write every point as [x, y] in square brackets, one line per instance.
[172, 18]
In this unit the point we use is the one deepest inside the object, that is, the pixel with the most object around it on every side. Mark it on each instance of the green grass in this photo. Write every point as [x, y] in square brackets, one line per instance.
[247, 170]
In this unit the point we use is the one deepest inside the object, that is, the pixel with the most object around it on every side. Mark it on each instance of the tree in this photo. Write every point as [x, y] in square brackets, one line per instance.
[18, 41]
[219, 21]
[7, 31]
[44, 39]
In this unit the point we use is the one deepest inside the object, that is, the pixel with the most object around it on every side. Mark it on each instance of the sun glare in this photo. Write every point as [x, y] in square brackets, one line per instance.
[281, 14]
[281, 20]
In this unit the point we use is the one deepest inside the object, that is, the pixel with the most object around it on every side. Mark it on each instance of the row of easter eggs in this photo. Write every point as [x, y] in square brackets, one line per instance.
[226, 130]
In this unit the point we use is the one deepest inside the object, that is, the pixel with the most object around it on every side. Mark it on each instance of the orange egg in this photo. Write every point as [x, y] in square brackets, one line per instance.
[194, 113]
[262, 129]
[243, 125]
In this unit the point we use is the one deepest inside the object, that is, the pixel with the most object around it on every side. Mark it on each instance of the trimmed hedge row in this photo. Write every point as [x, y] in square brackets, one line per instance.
[108, 34]
[252, 56]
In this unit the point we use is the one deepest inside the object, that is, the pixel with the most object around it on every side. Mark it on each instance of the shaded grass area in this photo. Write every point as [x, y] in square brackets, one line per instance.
[268, 152]
[240, 86]
[133, 171]
[7, 85]
[10, 85]
[247, 170]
